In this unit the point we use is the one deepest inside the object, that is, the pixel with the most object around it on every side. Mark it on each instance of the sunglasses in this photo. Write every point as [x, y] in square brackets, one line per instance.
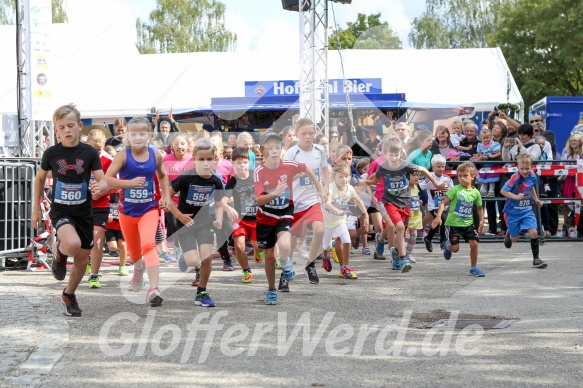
[401, 129]
[535, 121]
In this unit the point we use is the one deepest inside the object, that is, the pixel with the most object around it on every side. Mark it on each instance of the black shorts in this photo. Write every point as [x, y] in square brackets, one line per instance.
[83, 226]
[113, 235]
[267, 234]
[191, 238]
[372, 209]
[453, 234]
[100, 217]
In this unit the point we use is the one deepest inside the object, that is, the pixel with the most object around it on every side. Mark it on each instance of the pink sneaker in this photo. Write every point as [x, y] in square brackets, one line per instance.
[153, 297]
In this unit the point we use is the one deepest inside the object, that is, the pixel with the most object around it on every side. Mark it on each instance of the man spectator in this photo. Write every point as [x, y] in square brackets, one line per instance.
[119, 129]
[470, 142]
[373, 141]
[232, 140]
[403, 132]
[165, 127]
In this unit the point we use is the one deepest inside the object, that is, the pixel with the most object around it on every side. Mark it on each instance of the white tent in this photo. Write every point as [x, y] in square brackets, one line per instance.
[99, 68]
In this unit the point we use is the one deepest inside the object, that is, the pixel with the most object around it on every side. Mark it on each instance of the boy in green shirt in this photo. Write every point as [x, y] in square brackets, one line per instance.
[460, 220]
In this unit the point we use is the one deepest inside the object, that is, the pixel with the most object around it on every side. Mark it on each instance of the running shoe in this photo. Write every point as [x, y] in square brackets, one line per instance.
[507, 240]
[333, 251]
[228, 265]
[476, 272]
[326, 264]
[88, 268]
[248, 249]
[277, 263]
[538, 263]
[94, 281]
[271, 297]
[166, 257]
[258, 257]
[405, 265]
[288, 270]
[380, 244]
[366, 250]
[123, 270]
[312, 274]
[352, 250]
[446, 253]
[347, 273]
[182, 266]
[113, 254]
[59, 264]
[376, 256]
[283, 284]
[302, 250]
[428, 244]
[137, 282]
[203, 299]
[247, 277]
[153, 297]
[411, 258]
[395, 258]
[71, 306]
[196, 281]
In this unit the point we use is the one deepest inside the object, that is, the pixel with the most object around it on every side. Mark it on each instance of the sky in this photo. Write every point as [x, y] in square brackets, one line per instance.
[260, 25]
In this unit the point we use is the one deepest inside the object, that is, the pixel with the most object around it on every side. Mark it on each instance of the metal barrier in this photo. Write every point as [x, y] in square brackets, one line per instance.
[16, 194]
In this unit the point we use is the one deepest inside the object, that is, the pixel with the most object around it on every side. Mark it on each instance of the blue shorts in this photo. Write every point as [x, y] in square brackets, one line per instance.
[517, 222]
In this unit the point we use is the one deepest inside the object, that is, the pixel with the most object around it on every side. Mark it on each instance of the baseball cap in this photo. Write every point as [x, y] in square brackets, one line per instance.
[268, 136]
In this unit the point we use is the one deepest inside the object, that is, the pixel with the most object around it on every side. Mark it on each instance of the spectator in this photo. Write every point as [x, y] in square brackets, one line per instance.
[232, 140]
[441, 143]
[165, 127]
[418, 150]
[403, 132]
[289, 139]
[470, 142]
[523, 145]
[119, 129]
[574, 152]
[373, 141]
[323, 141]
[334, 136]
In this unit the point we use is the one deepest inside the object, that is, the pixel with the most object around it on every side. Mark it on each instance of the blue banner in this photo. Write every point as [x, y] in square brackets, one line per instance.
[292, 88]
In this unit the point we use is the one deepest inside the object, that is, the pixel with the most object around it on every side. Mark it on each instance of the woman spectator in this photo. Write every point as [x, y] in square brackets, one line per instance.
[441, 143]
[418, 149]
[574, 152]
[322, 140]
[289, 137]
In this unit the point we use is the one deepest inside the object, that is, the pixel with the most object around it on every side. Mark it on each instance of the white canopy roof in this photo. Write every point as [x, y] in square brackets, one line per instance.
[99, 68]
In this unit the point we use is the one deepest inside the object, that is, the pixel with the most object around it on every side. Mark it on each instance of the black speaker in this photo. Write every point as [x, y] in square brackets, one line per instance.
[294, 5]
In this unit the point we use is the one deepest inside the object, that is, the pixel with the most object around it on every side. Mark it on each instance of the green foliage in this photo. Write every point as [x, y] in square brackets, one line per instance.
[542, 41]
[179, 26]
[456, 24]
[366, 33]
[7, 11]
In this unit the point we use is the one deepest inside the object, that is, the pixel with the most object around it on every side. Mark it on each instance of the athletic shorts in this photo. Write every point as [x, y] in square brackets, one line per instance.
[454, 233]
[83, 226]
[245, 228]
[351, 222]
[371, 210]
[267, 234]
[518, 222]
[396, 214]
[311, 214]
[100, 217]
[340, 231]
[113, 235]
[191, 237]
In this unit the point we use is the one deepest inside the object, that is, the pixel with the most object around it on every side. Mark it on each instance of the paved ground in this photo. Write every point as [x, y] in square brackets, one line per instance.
[367, 332]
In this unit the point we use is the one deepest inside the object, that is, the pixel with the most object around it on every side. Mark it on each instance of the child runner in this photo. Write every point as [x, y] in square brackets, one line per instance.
[113, 234]
[307, 206]
[71, 164]
[245, 141]
[415, 219]
[100, 204]
[274, 196]
[397, 195]
[137, 165]
[197, 188]
[241, 194]
[434, 199]
[518, 212]
[460, 220]
[336, 210]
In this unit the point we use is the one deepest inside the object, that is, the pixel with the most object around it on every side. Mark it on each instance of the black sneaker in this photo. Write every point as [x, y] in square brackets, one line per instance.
[378, 257]
[283, 284]
[538, 263]
[312, 274]
[428, 244]
[59, 264]
[71, 306]
[113, 254]
[507, 240]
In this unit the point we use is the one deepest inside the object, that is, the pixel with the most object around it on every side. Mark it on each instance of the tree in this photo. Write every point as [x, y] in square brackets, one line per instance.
[456, 24]
[366, 33]
[541, 40]
[179, 26]
[7, 12]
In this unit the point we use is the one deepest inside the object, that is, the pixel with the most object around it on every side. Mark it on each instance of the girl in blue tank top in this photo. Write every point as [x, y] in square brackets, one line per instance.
[138, 217]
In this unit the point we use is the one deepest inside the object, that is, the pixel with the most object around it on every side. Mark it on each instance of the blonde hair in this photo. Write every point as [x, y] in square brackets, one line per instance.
[64, 110]
[245, 136]
[203, 145]
[467, 167]
[392, 144]
[361, 163]
[341, 168]
[204, 134]
[524, 159]
[135, 122]
[570, 151]
[96, 135]
[109, 149]
[343, 150]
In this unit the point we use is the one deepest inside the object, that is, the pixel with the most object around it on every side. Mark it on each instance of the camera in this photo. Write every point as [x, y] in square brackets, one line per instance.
[496, 111]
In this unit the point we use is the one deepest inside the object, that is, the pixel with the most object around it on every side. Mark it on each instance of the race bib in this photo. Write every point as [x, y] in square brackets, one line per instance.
[438, 199]
[306, 181]
[199, 195]
[464, 210]
[70, 193]
[280, 202]
[248, 207]
[523, 204]
[114, 210]
[142, 194]
[395, 185]
[415, 203]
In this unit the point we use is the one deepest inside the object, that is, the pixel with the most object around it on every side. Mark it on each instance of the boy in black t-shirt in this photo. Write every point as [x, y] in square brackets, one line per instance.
[195, 224]
[71, 163]
[240, 193]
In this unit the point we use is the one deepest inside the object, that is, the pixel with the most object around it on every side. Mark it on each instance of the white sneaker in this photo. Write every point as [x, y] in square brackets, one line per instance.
[301, 248]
